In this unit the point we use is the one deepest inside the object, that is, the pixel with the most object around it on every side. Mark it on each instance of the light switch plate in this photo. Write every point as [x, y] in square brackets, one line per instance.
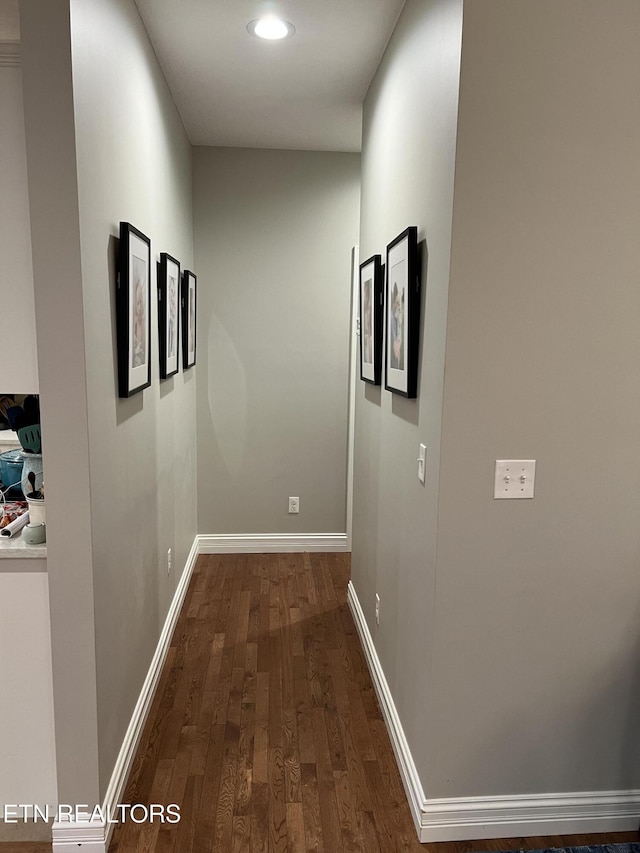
[422, 463]
[514, 478]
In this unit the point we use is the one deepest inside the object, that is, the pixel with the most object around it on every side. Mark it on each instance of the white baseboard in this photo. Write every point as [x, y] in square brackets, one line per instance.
[89, 837]
[93, 837]
[408, 772]
[468, 818]
[271, 543]
[524, 815]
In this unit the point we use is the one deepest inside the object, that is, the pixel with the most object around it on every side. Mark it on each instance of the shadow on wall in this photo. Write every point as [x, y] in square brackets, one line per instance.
[373, 393]
[226, 397]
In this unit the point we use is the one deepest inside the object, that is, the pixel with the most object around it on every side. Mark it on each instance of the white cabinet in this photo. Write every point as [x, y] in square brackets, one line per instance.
[27, 743]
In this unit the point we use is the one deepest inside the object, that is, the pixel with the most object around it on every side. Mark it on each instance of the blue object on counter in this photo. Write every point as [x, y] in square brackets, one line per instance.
[11, 462]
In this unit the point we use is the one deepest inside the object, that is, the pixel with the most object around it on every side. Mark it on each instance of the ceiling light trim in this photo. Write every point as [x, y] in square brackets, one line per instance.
[282, 29]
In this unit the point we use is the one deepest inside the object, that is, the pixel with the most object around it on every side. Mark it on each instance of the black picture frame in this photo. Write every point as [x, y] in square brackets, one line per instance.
[169, 292]
[402, 317]
[189, 318]
[133, 311]
[371, 297]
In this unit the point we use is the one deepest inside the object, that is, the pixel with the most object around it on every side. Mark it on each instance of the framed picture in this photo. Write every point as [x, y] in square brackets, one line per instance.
[133, 311]
[371, 296]
[189, 304]
[168, 314]
[403, 314]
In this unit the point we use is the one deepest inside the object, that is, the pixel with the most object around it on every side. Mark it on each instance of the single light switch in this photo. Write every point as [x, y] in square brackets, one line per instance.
[514, 478]
[422, 463]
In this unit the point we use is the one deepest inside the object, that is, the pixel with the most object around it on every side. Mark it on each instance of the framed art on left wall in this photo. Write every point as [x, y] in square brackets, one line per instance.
[168, 314]
[133, 311]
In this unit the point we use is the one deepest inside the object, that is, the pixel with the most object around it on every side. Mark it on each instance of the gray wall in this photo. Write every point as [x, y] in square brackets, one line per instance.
[273, 237]
[133, 163]
[16, 281]
[142, 450]
[510, 644]
[538, 601]
[407, 179]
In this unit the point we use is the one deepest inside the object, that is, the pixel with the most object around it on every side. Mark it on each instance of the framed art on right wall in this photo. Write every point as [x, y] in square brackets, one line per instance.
[402, 301]
[371, 320]
[189, 305]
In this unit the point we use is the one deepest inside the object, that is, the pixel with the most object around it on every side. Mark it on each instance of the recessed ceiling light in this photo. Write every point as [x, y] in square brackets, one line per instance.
[271, 28]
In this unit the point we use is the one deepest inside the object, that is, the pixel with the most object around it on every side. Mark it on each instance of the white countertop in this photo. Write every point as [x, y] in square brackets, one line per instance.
[17, 549]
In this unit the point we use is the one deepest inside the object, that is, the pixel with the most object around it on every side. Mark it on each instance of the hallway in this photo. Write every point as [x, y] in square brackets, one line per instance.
[265, 727]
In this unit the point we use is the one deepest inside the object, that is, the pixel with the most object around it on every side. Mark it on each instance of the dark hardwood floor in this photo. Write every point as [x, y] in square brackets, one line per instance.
[265, 727]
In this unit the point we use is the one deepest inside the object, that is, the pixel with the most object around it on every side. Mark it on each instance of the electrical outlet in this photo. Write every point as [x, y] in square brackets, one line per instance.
[294, 505]
[169, 561]
[377, 609]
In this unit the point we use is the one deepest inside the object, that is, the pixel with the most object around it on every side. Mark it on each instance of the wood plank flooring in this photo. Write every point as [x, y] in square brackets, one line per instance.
[266, 730]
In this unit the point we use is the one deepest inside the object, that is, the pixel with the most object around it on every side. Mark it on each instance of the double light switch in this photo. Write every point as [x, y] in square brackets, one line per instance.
[514, 478]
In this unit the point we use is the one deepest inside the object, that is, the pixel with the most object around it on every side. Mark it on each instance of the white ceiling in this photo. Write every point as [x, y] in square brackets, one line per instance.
[305, 92]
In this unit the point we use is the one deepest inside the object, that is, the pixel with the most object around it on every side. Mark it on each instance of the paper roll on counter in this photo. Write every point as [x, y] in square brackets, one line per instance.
[15, 526]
